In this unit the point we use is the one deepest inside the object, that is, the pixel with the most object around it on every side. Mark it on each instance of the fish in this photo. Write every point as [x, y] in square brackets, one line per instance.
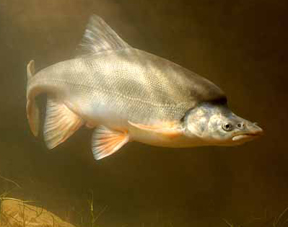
[125, 94]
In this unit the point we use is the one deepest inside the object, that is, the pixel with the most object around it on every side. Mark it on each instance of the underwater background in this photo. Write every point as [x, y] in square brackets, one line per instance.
[239, 45]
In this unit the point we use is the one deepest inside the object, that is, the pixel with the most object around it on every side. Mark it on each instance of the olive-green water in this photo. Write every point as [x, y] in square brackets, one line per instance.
[239, 45]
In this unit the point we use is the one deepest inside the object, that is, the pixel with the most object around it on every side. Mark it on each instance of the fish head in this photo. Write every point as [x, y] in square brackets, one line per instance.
[216, 124]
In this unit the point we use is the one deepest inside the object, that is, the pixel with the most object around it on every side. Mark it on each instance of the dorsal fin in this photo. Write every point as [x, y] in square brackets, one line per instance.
[99, 37]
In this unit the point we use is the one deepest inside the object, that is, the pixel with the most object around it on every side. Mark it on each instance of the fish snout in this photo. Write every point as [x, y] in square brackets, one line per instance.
[250, 131]
[254, 129]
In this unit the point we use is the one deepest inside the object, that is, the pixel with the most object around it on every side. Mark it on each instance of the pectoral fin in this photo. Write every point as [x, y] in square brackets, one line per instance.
[168, 129]
[60, 123]
[106, 141]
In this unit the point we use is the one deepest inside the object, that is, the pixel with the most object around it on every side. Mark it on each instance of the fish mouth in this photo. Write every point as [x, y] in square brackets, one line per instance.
[252, 132]
[248, 136]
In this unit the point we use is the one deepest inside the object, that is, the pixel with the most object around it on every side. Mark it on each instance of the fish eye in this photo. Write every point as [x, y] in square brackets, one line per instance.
[227, 126]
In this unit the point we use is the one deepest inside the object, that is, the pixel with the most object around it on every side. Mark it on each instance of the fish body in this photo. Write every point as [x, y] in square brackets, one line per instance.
[125, 93]
[127, 85]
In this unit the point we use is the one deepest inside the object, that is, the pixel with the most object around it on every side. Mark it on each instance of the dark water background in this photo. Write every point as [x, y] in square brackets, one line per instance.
[239, 45]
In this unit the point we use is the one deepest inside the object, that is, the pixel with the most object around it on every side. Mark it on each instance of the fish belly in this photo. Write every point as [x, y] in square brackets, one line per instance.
[118, 116]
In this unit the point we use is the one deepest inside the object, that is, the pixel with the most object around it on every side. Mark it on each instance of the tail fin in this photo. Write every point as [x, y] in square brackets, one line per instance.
[32, 109]
[30, 69]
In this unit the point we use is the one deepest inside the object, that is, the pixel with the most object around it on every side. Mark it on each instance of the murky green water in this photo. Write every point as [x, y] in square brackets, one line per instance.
[239, 45]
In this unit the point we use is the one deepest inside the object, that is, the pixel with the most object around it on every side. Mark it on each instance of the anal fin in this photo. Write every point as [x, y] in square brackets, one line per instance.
[106, 141]
[60, 123]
